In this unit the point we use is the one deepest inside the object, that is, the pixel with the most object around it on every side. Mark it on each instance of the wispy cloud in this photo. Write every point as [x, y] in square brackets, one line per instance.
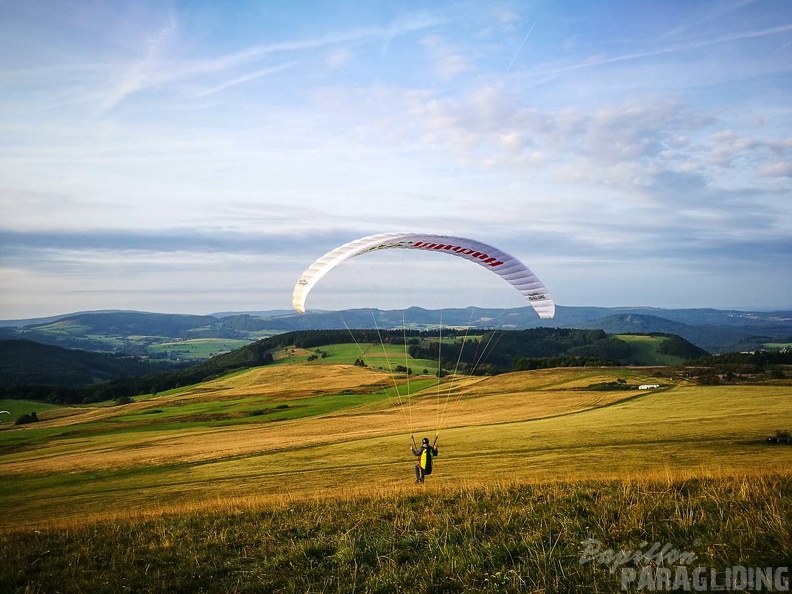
[145, 72]
[708, 14]
[158, 68]
[447, 60]
[246, 78]
[599, 60]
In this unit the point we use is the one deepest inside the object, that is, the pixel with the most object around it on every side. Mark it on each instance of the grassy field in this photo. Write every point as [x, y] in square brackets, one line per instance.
[298, 477]
[376, 355]
[17, 408]
[500, 537]
[195, 348]
[306, 428]
[646, 347]
[778, 346]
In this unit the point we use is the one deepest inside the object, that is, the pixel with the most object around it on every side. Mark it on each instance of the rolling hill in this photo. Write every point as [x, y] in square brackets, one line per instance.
[27, 363]
[296, 476]
[177, 336]
[313, 428]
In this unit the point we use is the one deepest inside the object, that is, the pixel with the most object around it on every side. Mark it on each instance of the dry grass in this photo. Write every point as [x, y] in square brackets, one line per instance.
[529, 426]
[464, 402]
[501, 536]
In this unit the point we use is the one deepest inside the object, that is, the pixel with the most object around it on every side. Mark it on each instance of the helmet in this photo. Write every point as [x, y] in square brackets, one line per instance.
[425, 441]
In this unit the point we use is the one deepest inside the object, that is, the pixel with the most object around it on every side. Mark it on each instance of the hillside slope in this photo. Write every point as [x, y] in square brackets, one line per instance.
[24, 362]
[317, 429]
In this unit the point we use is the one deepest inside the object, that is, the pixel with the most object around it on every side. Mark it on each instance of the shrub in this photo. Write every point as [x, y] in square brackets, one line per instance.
[27, 418]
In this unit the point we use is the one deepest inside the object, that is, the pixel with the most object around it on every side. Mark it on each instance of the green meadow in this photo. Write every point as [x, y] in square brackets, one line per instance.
[386, 357]
[20, 407]
[778, 346]
[298, 477]
[195, 348]
[646, 348]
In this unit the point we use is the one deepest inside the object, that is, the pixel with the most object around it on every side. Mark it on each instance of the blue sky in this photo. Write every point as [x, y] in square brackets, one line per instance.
[197, 156]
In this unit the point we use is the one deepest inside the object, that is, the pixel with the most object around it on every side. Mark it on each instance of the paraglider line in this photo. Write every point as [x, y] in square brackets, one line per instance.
[390, 368]
[439, 370]
[406, 366]
[456, 370]
[381, 383]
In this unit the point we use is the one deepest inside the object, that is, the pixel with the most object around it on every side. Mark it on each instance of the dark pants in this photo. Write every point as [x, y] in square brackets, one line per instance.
[419, 473]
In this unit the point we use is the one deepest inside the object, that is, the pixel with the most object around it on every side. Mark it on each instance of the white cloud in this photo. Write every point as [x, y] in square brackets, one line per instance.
[339, 58]
[447, 60]
[244, 78]
[490, 126]
[778, 169]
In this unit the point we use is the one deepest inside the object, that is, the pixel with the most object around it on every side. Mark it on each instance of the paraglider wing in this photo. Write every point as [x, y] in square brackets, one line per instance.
[504, 265]
[4, 412]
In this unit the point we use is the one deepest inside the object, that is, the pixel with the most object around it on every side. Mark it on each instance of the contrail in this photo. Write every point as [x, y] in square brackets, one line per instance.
[787, 44]
[521, 46]
[673, 49]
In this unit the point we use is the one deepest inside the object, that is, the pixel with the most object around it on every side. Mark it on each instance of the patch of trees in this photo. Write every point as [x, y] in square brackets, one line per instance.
[679, 347]
[310, 339]
[27, 418]
[732, 367]
[65, 341]
[24, 362]
[446, 354]
[608, 349]
[738, 367]
[537, 348]
[780, 437]
[549, 342]
[54, 394]
[529, 364]
[243, 323]
[251, 355]
[758, 360]
[318, 354]
[619, 384]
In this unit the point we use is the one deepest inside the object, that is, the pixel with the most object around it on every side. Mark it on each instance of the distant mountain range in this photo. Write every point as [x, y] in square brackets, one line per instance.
[129, 332]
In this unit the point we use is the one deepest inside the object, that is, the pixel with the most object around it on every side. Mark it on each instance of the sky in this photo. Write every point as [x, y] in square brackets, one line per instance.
[196, 156]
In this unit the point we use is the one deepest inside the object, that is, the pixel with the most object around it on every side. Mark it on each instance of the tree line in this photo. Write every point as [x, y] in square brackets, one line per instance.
[492, 352]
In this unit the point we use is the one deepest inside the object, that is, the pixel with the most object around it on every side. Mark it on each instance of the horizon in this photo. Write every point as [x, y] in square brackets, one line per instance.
[284, 311]
[198, 156]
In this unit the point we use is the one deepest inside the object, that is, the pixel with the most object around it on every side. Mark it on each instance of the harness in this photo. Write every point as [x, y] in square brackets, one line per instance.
[426, 459]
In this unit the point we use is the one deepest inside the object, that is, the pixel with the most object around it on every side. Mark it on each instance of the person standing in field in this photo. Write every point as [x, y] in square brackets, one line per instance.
[424, 454]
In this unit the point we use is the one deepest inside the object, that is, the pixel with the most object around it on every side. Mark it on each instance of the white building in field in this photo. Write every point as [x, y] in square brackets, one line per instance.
[648, 386]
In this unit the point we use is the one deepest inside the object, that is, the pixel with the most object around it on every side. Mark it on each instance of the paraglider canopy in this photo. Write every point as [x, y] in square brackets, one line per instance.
[504, 265]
